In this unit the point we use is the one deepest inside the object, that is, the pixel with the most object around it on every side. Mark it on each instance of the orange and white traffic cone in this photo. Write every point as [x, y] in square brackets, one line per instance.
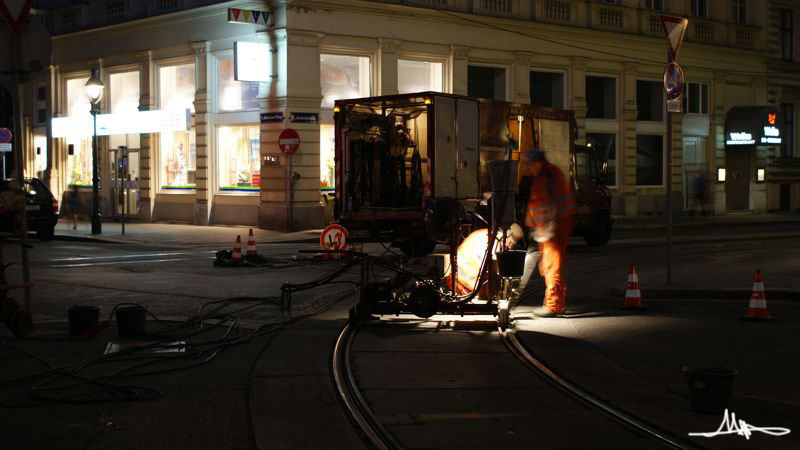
[758, 301]
[236, 255]
[251, 244]
[633, 295]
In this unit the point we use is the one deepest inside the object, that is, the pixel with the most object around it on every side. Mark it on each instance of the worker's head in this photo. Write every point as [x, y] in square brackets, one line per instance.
[536, 160]
[514, 235]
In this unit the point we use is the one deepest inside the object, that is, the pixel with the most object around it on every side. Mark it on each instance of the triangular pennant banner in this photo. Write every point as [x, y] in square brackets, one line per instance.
[674, 29]
[234, 13]
[256, 14]
[246, 15]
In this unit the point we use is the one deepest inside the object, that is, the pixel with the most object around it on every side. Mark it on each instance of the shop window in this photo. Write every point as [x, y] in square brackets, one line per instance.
[649, 101]
[547, 89]
[601, 97]
[79, 164]
[700, 8]
[327, 169]
[234, 95]
[419, 76]
[649, 160]
[787, 35]
[40, 152]
[486, 82]
[787, 145]
[343, 77]
[238, 164]
[605, 145]
[695, 98]
[124, 98]
[739, 11]
[176, 93]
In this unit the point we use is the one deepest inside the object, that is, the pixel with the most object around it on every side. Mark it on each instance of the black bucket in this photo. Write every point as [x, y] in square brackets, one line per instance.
[710, 388]
[83, 320]
[511, 263]
[130, 320]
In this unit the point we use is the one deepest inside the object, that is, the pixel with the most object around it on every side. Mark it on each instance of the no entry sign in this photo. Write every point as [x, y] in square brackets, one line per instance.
[289, 141]
[333, 237]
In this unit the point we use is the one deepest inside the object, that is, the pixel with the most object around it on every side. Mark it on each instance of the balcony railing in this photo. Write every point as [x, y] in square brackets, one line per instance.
[555, 10]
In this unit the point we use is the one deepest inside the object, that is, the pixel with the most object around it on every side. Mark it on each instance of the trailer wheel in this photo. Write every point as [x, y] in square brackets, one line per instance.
[503, 315]
[601, 233]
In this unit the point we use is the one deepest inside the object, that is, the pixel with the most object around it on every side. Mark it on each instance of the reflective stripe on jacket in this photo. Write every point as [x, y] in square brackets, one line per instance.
[551, 197]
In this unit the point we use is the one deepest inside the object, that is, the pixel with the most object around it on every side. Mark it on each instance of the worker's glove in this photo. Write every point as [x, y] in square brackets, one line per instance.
[544, 232]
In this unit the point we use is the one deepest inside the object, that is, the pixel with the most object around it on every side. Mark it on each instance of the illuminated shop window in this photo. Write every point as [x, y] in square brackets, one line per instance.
[79, 164]
[40, 155]
[178, 149]
[124, 98]
[233, 95]
[327, 169]
[343, 77]
[649, 160]
[419, 76]
[238, 165]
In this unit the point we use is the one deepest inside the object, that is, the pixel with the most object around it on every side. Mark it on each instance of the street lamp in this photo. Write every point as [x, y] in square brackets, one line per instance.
[94, 90]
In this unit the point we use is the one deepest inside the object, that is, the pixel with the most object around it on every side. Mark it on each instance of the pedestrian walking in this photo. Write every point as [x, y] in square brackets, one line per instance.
[700, 186]
[74, 200]
[549, 217]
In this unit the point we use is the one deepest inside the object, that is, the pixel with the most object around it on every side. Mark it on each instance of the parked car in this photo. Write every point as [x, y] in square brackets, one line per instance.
[40, 204]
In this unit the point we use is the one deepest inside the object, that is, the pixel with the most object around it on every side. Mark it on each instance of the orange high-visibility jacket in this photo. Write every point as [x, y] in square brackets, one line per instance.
[551, 197]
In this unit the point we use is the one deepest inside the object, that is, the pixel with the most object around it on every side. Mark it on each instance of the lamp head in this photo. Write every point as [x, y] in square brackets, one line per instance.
[94, 89]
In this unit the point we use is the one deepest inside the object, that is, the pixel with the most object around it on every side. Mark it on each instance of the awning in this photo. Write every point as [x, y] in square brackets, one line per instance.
[753, 125]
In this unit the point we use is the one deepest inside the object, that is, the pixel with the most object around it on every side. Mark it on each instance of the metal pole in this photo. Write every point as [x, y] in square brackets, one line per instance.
[290, 212]
[669, 190]
[97, 226]
[125, 187]
[20, 168]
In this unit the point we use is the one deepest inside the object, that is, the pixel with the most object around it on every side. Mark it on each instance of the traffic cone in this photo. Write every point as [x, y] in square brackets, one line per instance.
[236, 255]
[633, 295]
[251, 244]
[758, 301]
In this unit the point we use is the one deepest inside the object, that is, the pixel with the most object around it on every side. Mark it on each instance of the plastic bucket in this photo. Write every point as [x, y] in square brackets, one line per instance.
[710, 387]
[130, 320]
[511, 263]
[82, 318]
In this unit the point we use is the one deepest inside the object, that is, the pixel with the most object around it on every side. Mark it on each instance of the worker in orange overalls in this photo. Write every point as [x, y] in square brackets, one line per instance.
[470, 256]
[551, 207]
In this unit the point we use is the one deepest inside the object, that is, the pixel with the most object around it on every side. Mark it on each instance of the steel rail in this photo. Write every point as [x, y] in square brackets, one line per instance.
[351, 396]
[518, 349]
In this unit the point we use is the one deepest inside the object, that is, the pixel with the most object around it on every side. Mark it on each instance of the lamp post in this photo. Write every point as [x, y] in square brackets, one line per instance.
[94, 90]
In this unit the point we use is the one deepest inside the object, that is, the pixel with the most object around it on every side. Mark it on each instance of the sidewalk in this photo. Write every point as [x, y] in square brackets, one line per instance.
[176, 234]
[186, 234]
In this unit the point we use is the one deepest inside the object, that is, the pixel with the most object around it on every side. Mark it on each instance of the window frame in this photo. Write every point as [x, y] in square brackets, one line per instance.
[740, 6]
[616, 78]
[107, 92]
[64, 106]
[232, 122]
[564, 83]
[491, 65]
[215, 80]
[663, 102]
[663, 162]
[446, 85]
[786, 27]
[696, 8]
[686, 98]
[157, 66]
[616, 153]
[373, 77]
[650, 5]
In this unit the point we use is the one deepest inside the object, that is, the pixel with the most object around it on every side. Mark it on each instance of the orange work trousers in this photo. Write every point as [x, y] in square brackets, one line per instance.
[550, 267]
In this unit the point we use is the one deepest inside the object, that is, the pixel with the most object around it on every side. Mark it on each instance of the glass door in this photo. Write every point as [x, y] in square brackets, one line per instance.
[124, 182]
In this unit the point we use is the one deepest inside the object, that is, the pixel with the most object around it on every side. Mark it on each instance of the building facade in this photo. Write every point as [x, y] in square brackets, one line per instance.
[602, 59]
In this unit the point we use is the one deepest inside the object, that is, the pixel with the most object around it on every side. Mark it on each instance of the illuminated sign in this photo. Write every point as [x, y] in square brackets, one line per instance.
[772, 135]
[740, 138]
[251, 61]
[133, 122]
[771, 118]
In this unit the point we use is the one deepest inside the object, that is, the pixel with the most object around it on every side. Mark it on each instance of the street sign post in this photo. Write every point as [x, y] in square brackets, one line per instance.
[674, 30]
[289, 143]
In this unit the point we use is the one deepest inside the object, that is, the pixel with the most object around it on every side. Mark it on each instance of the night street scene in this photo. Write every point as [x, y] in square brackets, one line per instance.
[399, 224]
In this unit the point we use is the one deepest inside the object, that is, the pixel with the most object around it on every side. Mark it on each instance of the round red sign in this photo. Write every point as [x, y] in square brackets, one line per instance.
[289, 141]
[333, 237]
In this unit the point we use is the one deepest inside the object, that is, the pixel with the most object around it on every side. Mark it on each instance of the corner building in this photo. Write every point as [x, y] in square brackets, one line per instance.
[602, 59]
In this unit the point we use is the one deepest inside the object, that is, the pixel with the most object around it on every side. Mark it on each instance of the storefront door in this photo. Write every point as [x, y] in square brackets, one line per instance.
[124, 183]
[737, 182]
